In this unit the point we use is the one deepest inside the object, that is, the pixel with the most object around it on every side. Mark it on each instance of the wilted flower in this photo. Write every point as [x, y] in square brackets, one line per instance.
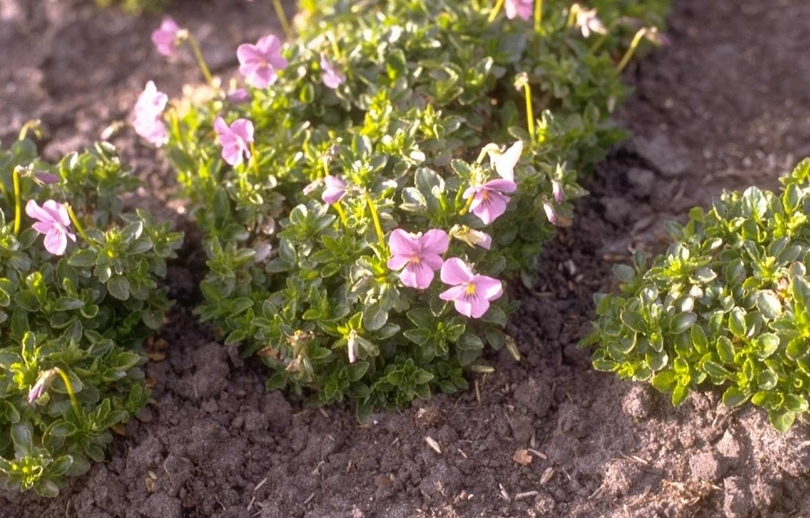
[234, 139]
[53, 221]
[335, 189]
[351, 345]
[165, 38]
[418, 256]
[42, 177]
[588, 22]
[557, 191]
[259, 62]
[472, 237]
[42, 385]
[489, 202]
[332, 77]
[521, 8]
[148, 111]
[471, 293]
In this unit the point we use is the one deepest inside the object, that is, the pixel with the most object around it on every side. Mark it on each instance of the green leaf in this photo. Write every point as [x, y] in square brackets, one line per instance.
[374, 317]
[725, 349]
[682, 322]
[118, 287]
[768, 304]
[795, 403]
[83, 258]
[734, 397]
[782, 420]
[767, 344]
[22, 435]
[736, 322]
[679, 393]
[625, 273]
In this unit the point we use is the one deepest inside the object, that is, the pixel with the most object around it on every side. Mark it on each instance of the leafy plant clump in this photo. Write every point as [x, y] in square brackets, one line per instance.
[136, 6]
[364, 198]
[728, 304]
[78, 294]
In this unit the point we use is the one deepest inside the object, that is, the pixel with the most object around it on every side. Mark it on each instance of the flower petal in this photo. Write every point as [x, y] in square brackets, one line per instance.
[456, 271]
[506, 186]
[417, 275]
[478, 306]
[433, 261]
[56, 241]
[435, 241]
[396, 262]
[488, 287]
[453, 293]
[403, 243]
[35, 211]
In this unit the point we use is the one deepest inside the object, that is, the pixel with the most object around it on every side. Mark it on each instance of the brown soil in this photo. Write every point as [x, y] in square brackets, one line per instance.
[727, 105]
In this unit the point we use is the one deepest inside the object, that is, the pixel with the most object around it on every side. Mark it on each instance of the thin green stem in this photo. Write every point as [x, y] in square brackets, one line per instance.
[70, 392]
[631, 50]
[17, 202]
[282, 18]
[495, 11]
[572, 15]
[527, 92]
[538, 15]
[78, 225]
[376, 218]
[195, 48]
[598, 43]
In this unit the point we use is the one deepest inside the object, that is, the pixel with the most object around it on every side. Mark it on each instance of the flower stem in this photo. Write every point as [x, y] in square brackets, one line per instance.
[632, 49]
[282, 18]
[376, 218]
[342, 214]
[538, 15]
[598, 43]
[78, 225]
[527, 92]
[495, 11]
[71, 394]
[17, 202]
[195, 48]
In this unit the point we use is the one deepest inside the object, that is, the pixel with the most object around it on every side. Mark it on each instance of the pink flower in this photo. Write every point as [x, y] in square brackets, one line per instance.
[419, 255]
[471, 293]
[52, 220]
[234, 139]
[489, 201]
[557, 191]
[332, 78]
[259, 62]
[148, 111]
[335, 189]
[522, 8]
[165, 38]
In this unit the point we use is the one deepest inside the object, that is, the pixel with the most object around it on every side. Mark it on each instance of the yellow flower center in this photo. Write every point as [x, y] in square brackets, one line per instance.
[470, 289]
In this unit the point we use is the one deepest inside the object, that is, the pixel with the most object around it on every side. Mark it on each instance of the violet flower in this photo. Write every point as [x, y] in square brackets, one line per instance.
[418, 256]
[470, 293]
[489, 201]
[332, 78]
[165, 38]
[148, 111]
[521, 8]
[234, 139]
[557, 191]
[53, 221]
[259, 62]
[238, 96]
[335, 189]
[588, 22]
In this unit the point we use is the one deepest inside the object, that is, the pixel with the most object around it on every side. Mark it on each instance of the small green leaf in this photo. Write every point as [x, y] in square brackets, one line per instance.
[118, 287]
[782, 420]
[768, 303]
[734, 397]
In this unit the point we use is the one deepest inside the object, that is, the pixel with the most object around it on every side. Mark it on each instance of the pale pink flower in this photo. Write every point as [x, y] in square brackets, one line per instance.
[238, 96]
[489, 201]
[148, 111]
[588, 22]
[42, 385]
[472, 237]
[332, 77]
[335, 189]
[165, 38]
[53, 221]
[521, 8]
[418, 256]
[259, 63]
[234, 139]
[470, 293]
[557, 191]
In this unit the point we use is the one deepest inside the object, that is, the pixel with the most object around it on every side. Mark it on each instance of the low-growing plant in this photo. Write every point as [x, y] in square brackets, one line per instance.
[728, 305]
[78, 294]
[363, 197]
